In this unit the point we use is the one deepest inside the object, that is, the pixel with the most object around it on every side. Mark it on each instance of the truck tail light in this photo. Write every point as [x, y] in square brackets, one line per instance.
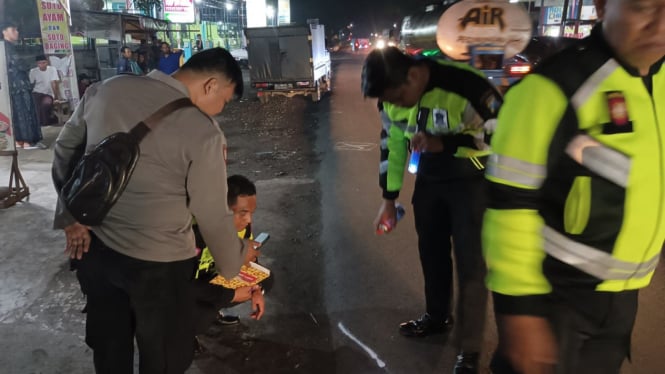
[519, 69]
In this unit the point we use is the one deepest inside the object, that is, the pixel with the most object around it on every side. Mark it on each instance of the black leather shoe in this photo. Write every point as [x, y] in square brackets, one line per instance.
[467, 363]
[225, 319]
[424, 326]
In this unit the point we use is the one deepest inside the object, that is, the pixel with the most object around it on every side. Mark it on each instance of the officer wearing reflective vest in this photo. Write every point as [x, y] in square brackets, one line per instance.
[438, 108]
[576, 216]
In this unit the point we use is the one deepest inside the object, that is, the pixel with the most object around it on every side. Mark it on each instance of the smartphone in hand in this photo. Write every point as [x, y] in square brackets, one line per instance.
[262, 238]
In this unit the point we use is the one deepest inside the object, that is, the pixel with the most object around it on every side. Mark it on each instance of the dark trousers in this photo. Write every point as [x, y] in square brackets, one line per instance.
[453, 209]
[44, 109]
[129, 298]
[210, 298]
[593, 331]
[26, 125]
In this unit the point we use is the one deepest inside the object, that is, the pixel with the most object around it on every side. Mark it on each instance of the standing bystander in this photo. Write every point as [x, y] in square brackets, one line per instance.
[169, 60]
[124, 61]
[27, 132]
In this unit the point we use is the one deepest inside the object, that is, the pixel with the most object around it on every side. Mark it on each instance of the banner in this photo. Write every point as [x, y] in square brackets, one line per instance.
[179, 11]
[55, 27]
[7, 143]
[54, 21]
[553, 15]
[283, 12]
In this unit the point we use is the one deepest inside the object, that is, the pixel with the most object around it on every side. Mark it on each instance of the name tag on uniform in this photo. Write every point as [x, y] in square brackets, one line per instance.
[619, 118]
[440, 119]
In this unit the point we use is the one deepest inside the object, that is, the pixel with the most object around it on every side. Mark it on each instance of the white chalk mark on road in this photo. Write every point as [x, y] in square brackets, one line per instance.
[355, 146]
[367, 349]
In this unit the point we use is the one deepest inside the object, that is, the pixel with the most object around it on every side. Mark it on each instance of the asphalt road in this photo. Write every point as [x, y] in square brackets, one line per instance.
[340, 291]
[373, 282]
[382, 282]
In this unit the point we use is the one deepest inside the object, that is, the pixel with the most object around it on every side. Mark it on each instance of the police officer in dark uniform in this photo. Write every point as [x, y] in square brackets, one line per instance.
[438, 108]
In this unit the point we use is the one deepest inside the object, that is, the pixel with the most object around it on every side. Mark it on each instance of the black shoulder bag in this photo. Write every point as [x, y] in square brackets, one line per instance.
[101, 175]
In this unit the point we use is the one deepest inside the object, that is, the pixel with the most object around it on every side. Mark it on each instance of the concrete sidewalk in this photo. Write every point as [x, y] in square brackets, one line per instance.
[41, 323]
[40, 320]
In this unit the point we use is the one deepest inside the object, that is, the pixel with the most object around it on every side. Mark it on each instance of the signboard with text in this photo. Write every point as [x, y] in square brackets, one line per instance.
[284, 12]
[55, 27]
[57, 45]
[483, 23]
[553, 15]
[179, 11]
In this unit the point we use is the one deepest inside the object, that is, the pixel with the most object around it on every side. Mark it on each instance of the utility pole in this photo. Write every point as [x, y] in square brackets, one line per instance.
[564, 17]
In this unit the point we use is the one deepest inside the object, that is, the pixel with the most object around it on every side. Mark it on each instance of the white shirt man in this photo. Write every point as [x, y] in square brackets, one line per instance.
[45, 91]
[45, 78]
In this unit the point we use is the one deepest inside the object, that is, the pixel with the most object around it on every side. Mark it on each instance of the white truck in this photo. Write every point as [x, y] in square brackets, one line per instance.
[289, 60]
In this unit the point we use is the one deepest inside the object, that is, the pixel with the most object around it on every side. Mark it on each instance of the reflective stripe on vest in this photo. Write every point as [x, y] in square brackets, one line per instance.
[517, 171]
[592, 83]
[383, 167]
[593, 261]
[387, 122]
[604, 161]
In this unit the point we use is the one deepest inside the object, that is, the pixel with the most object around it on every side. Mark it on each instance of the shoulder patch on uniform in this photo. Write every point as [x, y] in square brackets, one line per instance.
[619, 118]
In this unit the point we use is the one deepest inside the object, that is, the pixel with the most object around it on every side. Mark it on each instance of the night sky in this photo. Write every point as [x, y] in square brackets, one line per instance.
[366, 15]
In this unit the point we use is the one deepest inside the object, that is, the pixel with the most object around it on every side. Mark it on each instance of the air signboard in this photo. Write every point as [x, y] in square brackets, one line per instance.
[472, 23]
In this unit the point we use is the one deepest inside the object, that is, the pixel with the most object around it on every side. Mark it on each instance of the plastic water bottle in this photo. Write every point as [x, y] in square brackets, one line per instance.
[386, 226]
[413, 162]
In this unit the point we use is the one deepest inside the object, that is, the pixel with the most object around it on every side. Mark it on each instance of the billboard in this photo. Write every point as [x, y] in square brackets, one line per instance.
[283, 12]
[256, 13]
[179, 11]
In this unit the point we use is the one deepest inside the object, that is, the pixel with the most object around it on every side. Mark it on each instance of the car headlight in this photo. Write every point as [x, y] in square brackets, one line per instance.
[380, 44]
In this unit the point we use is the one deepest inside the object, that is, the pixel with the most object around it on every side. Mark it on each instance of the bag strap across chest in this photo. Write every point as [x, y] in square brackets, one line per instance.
[143, 128]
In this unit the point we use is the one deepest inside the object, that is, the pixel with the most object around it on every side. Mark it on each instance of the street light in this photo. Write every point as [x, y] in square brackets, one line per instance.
[229, 6]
